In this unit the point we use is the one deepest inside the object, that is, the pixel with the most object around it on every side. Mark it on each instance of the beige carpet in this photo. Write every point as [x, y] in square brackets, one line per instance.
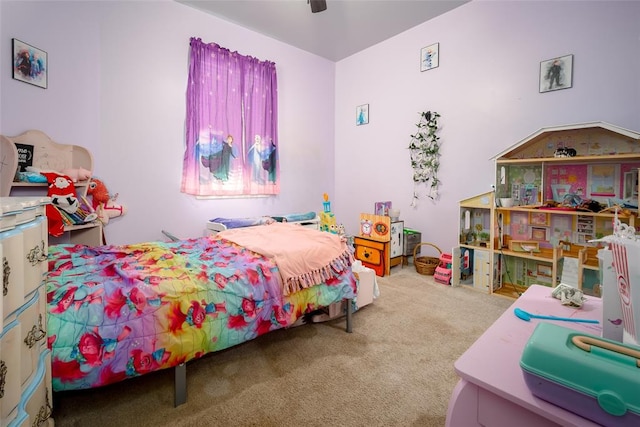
[396, 368]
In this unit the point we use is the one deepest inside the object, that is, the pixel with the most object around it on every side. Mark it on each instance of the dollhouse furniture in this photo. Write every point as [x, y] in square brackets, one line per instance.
[49, 155]
[492, 391]
[443, 271]
[540, 187]
[25, 360]
[380, 243]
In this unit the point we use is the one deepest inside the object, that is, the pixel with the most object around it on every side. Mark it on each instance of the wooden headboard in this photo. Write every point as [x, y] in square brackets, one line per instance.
[8, 165]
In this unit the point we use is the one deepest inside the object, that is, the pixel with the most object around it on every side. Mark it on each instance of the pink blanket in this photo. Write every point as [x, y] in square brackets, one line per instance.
[305, 257]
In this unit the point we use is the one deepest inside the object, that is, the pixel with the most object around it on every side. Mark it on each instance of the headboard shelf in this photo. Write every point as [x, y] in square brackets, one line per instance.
[47, 155]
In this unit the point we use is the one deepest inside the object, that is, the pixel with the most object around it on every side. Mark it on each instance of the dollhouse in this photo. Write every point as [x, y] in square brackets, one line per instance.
[556, 192]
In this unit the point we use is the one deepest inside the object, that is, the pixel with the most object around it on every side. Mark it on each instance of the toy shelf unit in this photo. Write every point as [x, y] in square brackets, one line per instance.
[558, 190]
[35, 148]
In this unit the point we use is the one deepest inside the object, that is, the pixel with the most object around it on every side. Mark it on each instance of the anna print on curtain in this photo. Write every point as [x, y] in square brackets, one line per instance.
[232, 124]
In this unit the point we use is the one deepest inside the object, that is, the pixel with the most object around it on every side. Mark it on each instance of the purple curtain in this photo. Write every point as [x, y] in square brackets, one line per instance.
[231, 126]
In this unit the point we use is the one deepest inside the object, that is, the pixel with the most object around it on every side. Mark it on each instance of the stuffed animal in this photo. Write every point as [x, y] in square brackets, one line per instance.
[77, 174]
[104, 203]
[63, 197]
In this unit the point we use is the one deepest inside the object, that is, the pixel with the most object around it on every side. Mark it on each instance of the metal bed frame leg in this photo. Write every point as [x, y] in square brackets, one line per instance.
[180, 384]
[180, 371]
[349, 316]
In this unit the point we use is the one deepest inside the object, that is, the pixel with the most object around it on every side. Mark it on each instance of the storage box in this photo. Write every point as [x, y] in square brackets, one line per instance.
[611, 308]
[591, 376]
[626, 253]
[366, 283]
[412, 238]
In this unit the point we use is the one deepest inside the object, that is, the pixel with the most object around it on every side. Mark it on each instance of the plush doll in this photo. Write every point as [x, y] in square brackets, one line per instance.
[63, 197]
[77, 174]
[104, 203]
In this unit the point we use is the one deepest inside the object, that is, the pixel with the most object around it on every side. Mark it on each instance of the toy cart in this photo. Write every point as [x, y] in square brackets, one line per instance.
[443, 270]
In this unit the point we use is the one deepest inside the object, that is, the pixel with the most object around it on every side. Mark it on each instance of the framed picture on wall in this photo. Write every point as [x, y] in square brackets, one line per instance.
[430, 57]
[30, 64]
[362, 114]
[556, 73]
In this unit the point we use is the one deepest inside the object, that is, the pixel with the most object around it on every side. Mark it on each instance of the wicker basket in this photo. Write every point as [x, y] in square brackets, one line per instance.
[426, 264]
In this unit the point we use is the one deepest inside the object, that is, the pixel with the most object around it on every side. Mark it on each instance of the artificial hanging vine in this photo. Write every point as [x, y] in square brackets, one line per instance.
[425, 155]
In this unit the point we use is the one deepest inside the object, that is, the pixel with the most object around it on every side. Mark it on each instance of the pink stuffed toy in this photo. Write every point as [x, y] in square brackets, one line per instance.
[77, 174]
[104, 203]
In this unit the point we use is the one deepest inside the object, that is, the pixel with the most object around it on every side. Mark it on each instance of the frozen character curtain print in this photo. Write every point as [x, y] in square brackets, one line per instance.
[231, 132]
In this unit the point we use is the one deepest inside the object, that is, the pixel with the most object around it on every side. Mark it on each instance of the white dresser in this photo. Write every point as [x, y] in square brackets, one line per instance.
[25, 361]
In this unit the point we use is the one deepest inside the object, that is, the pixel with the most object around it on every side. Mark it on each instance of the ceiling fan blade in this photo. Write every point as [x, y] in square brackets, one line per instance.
[318, 5]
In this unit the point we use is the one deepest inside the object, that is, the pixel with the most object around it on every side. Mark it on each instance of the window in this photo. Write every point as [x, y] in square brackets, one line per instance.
[231, 125]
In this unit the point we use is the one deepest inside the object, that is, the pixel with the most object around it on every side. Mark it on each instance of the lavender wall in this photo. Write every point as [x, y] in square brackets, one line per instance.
[118, 73]
[117, 84]
[486, 89]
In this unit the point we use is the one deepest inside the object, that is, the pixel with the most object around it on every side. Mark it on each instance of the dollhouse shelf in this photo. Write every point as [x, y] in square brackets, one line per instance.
[605, 168]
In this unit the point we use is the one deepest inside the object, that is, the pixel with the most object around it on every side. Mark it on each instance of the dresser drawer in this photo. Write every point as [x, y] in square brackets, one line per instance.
[13, 259]
[34, 236]
[33, 334]
[36, 406]
[10, 384]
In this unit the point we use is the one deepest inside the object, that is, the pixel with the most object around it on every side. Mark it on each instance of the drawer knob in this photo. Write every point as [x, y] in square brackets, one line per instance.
[6, 272]
[35, 334]
[3, 377]
[44, 413]
[37, 254]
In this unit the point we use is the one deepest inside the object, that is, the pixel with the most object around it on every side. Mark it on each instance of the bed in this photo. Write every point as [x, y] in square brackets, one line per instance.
[118, 312]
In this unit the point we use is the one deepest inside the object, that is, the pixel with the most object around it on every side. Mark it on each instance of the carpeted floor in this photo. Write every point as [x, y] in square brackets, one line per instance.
[395, 369]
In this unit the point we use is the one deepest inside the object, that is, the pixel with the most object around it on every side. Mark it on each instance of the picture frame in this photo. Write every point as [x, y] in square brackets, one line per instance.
[538, 233]
[29, 63]
[556, 74]
[539, 218]
[362, 114]
[382, 208]
[430, 57]
[544, 270]
[603, 180]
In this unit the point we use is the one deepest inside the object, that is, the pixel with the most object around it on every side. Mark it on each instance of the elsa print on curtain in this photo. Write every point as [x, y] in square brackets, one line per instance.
[231, 129]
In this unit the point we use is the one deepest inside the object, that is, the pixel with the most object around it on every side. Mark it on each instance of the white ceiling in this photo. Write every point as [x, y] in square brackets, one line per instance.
[344, 28]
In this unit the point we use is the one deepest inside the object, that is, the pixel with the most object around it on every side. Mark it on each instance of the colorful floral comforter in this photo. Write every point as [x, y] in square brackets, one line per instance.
[116, 312]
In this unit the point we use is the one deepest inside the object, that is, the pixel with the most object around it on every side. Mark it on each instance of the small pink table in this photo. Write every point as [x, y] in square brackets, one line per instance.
[492, 391]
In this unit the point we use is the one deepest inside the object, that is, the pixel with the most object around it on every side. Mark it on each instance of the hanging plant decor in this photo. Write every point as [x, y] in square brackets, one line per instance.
[425, 155]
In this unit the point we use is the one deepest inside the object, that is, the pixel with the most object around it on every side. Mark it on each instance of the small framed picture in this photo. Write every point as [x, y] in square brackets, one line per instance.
[556, 73]
[382, 208]
[544, 270]
[362, 114]
[539, 218]
[30, 64]
[538, 233]
[430, 57]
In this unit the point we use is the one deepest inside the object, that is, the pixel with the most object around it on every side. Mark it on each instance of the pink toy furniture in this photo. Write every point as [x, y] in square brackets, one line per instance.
[492, 391]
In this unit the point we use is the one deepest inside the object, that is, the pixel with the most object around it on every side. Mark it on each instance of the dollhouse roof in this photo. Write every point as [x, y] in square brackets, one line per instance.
[546, 140]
